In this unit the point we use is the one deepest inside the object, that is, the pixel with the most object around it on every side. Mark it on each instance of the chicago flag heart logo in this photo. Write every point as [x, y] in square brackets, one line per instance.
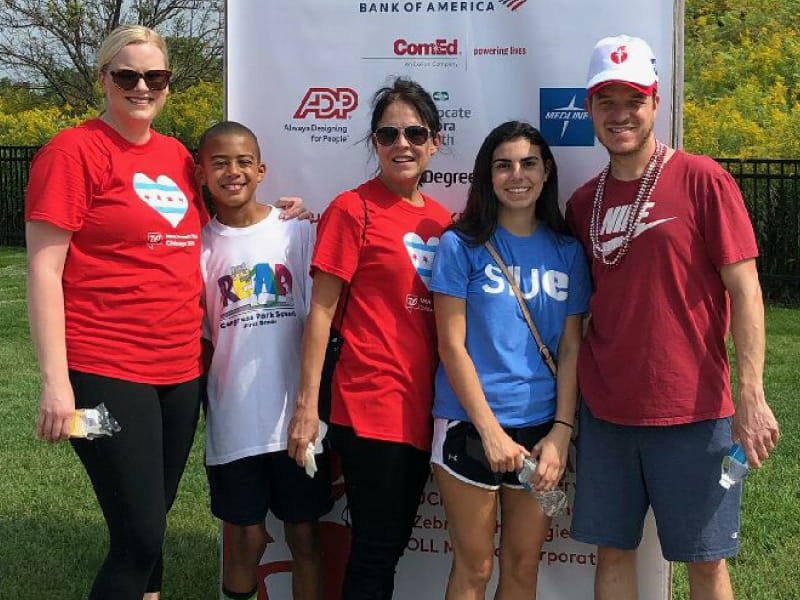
[421, 254]
[162, 195]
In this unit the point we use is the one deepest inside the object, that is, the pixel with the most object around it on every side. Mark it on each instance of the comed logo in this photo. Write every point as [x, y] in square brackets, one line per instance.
[327, 103]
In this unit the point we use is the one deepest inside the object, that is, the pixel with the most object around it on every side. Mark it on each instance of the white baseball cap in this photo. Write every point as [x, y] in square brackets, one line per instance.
[622, 59]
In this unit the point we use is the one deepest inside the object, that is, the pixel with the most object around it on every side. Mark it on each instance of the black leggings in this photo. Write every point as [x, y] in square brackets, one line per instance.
[384, 483]
[135, 474]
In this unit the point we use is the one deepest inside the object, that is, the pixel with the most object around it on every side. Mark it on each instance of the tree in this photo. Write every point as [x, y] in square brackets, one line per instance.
[742, 80]
[52, 43]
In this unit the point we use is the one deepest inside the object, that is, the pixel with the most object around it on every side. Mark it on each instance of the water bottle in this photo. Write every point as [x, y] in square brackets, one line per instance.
[734, 467]
[553, 502]
[91, 423]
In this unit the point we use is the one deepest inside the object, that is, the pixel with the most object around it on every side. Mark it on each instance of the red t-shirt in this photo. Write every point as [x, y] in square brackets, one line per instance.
[132, 274]
[654, 353]
[383, 383]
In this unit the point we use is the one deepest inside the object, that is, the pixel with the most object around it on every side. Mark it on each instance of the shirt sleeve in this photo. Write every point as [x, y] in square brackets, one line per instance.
[726, 226]
[580, 284]
[339, 237]
[451, 266]
[59, 189]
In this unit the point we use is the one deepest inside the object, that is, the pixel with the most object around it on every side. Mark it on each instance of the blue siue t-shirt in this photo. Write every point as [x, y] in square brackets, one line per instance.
[553, 276]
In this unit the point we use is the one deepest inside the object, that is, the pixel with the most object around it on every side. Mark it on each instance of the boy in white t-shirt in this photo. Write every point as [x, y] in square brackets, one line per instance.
[257, 290]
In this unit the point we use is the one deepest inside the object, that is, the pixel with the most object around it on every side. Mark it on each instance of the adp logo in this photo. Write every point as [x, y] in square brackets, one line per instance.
[563, 118]
[327, 103]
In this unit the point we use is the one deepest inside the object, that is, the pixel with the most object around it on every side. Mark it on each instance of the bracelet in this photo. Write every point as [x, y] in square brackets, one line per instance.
[570, 425]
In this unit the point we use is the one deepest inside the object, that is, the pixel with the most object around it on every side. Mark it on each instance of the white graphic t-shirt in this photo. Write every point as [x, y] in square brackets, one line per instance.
[257, 293]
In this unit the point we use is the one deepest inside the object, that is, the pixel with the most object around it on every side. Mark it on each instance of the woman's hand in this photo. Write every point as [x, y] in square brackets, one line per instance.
[56, 408]
[303, 430]
[503, 453]
[293, 209]
[551, 453]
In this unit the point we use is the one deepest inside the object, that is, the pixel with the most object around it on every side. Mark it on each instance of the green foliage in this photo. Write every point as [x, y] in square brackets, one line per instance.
[742, 78]
[33, 127]
[186, 115]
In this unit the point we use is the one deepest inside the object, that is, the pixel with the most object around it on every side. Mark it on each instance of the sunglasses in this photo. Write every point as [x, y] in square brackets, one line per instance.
[127, 79]
[416, 134]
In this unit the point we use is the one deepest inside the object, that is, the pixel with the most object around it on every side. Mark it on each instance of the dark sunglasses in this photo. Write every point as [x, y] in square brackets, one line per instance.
[416, 134]
[127, 79]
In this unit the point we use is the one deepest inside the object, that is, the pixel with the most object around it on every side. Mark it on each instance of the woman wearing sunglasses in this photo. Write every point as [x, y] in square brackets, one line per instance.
[113, 224]
[496, 399]
[371, 267]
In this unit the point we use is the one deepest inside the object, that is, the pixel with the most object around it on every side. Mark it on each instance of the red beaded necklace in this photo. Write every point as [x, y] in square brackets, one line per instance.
[646, 186]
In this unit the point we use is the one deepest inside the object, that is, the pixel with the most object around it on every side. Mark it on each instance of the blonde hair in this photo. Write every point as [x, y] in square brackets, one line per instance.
[125, 35]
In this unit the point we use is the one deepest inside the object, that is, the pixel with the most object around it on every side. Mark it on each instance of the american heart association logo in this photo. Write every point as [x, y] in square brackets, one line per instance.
[162, 195]
[421, 254]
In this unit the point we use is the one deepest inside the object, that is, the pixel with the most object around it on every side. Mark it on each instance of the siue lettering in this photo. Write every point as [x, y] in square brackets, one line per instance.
[554, 283]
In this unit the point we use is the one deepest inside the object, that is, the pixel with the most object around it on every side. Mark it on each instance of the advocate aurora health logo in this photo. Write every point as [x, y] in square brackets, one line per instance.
[563, 120]
[439, 6]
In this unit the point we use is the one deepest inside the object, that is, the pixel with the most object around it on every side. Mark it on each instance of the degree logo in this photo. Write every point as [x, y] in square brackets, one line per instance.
[327, 103]
[620, 55]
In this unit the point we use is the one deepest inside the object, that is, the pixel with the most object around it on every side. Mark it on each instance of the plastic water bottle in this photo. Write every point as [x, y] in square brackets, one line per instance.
[91, 423]
[734, 467]
[553, 502]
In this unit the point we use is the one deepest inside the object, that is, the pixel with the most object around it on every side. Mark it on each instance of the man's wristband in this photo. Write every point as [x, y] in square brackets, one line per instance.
[570, 425]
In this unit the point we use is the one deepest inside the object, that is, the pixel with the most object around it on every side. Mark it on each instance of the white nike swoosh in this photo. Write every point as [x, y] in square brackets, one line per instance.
[614, 243]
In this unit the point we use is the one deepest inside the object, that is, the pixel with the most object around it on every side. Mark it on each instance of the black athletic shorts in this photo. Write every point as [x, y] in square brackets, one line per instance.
[458, 449]
[244, 490]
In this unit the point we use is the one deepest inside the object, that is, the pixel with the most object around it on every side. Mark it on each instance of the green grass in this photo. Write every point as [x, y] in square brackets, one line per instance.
[52, 537]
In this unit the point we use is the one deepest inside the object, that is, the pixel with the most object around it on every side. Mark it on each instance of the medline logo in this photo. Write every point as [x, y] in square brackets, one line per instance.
[513, 4]
[563, 119]
[327, 103]
[615, 221]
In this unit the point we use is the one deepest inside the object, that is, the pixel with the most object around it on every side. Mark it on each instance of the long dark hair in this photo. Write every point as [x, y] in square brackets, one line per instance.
[479, 219]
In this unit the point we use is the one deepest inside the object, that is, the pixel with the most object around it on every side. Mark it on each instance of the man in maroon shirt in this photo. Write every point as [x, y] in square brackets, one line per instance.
[673, 256]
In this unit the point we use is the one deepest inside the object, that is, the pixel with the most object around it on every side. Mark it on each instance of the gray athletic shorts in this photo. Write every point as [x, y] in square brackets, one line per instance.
[621, 470]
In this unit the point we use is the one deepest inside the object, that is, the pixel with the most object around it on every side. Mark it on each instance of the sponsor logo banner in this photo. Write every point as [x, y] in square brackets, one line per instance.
[563, 119]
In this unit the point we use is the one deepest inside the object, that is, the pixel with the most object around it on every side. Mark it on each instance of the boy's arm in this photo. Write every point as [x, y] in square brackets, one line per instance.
[292, 208]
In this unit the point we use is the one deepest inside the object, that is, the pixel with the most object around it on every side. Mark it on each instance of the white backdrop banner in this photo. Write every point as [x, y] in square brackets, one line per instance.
[302, 73]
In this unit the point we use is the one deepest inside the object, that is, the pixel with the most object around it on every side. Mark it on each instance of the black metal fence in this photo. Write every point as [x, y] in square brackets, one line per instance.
[15, 161]
[771, 189]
